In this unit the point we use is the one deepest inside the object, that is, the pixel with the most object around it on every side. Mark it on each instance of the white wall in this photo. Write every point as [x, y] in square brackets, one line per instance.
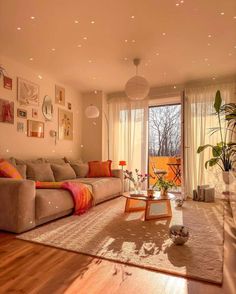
[13, 143]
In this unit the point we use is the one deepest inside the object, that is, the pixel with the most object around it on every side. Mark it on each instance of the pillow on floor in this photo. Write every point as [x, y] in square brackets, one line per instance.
[7, 170]
[81, 169]
[99, 169]
[41, 172]
[63, 172]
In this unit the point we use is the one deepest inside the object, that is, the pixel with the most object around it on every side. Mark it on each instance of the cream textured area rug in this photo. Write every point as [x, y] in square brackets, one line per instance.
[107, 232]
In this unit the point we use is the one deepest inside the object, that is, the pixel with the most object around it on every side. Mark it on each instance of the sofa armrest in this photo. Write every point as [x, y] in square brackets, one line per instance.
[17, 205]
[119, 173]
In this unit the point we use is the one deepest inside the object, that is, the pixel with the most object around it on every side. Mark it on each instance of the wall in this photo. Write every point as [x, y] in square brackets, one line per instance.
[13, 143]
[92, 128]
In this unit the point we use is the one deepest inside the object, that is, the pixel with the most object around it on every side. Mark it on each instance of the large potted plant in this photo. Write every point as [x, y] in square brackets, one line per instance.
[224, 152]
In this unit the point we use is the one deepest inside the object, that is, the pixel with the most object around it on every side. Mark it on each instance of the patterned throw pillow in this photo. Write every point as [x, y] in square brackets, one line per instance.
[7, 170]
[99, 169]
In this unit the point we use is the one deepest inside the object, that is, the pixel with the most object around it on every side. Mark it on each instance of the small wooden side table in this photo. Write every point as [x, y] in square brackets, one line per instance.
[155, 208]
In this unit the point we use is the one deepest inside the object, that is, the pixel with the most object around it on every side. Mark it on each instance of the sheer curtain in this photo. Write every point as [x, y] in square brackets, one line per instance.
[199, 119]
[128, 121]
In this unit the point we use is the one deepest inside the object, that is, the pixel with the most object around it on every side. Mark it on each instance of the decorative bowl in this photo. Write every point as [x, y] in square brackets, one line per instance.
[179, 202]
[178, 234]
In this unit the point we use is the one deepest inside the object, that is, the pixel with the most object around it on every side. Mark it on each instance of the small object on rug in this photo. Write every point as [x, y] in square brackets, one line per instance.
[179, 202]
[209, 194]
[178, 234]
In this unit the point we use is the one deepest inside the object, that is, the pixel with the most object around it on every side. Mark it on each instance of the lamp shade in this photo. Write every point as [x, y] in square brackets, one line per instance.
[137, 88]
[122, 162]
[92, 111]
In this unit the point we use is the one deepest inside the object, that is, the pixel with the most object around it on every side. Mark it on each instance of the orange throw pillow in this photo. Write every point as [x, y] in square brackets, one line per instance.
[7, 170]
[99, 169]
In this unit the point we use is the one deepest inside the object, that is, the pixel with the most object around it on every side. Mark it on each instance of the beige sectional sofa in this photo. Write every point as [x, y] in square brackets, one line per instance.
[22, 207]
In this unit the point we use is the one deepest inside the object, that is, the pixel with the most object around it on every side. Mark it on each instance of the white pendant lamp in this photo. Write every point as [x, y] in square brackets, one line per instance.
[92, 111]
[137, 88]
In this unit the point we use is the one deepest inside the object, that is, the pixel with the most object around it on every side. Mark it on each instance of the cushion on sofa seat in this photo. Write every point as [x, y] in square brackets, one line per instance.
[40, 172]
[22, 170]
[60, 161]
[51, 202]
[81, 169]
[63, 172]
[103, 188]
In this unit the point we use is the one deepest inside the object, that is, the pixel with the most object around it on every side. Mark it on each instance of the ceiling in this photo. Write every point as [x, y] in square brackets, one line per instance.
[90, 44]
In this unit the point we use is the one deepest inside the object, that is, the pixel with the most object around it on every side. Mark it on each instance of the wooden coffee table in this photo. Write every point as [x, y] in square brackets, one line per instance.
[155, 208]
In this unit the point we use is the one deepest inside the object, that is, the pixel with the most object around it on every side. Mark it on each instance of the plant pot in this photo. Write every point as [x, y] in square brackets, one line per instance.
[150, 193]
[226, 176]
[164, 192]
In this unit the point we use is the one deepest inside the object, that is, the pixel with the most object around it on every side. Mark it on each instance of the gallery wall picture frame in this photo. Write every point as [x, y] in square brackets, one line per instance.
[60, 94]
[7, 83]
[69, 105]
[35, 129]
[35, 113]
[27, 92]
[20, 127]
[21, 113]
[65, 124]
[6, 111]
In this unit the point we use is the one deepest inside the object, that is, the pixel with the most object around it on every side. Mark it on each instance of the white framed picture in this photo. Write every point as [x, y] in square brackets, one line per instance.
[27, 92]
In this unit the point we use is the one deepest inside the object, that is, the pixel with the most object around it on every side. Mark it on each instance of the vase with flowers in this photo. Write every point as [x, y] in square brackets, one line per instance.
[137, 179]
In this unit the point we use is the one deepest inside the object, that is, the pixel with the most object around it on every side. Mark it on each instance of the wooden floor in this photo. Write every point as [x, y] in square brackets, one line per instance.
[30, 268]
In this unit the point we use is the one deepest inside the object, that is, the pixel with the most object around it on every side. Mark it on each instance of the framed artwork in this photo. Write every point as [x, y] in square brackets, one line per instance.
[35, 129]
[60, 95]
[6, 111]
[65, 124]
[69, 106]
[27, 92]
[20, 127]
[35, 113]
[7, 83]
[21, 113]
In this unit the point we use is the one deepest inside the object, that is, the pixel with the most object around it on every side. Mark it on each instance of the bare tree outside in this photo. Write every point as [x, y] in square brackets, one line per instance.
[165, 130]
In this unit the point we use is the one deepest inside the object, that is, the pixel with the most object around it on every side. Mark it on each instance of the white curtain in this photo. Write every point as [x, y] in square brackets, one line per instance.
[128, 121]
[199, 119]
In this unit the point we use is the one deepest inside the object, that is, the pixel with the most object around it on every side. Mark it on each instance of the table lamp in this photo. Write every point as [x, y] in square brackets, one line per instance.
[122, 163]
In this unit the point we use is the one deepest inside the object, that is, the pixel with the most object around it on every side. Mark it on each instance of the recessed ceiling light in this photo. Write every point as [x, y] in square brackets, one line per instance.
[230, 54]
[31, 59]
[90, 61]
[208, 64]
[174, 87]
[177, 4]
[40, 77]
[222, 13]
[53, 49]
[76, 21]
[206, 59]
[126, 40]
[32, 17]
[125, 58]
[234, 47]
[234, 17]
[92, 22]
[208, 44]
[209, 36]
[18, 28]
[213, 78]
[95, 91]
[157, 54]
[79, 45]
[85, 38]
[182, 1]
[163, 34]
[132, 17]
[133, 41]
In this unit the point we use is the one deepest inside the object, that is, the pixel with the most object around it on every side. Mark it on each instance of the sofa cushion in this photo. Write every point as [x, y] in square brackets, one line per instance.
[81, 170]
[103, 188]
[22, 170]
[52, 201]
[63, 172]
[8, 170]
[60, 161]
[26, 161]
[40, 172]
[98, 169]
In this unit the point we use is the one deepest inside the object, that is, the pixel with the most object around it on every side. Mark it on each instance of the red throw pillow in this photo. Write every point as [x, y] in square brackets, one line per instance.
[99, 169]
[7, 170]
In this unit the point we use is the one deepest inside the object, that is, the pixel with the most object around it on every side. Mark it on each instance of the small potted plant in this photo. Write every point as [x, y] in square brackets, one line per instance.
[163, 185]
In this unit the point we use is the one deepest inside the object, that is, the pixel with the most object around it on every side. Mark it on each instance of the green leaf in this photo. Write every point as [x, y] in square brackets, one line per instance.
[216, 151]
[211, 162]
[218, 101]
[203, 147]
